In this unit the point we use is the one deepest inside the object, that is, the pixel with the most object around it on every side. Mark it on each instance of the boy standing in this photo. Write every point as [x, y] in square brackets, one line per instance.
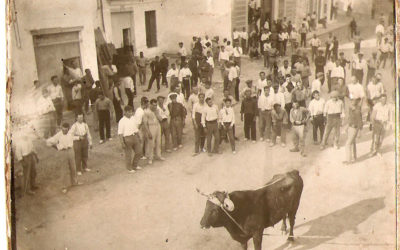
[265, 106]
[63, 142]
[165, 129]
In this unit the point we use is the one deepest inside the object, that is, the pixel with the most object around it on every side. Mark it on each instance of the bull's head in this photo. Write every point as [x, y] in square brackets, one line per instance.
[213, 214]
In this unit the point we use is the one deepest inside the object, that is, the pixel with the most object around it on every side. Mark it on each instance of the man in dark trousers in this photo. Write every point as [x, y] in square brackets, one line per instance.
[178, 114]
[104, 109]
[155, 74]
[353, 27]
[248, 112]
[194, 68]
[164, 69]
[320, 62]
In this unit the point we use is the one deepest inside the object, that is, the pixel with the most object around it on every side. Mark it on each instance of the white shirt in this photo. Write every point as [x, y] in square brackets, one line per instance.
[285, 71]
[283, 36]
[209, 114]
[355, 91]
[139, 113]
[227, 115]
[44, 105]
[75, 73]
[198, 108]
[223, 55]
[375, 90]
[279, 98]
[232, 73]
[164, 112]
[229, 49]
[184, 72]
[237, 52]
[316, 107]
[329, 66]
[244, 35]
[80, 129]
[315, 42]
[127, 126]
[173, 72]
[55, 91]
[360, 65]
[261, 84]
[209, 93]
[265, 103]
[236, 35]
[61, 140]
[128, 83]
[337, 71]
[382, 112]
[23, 148]
[379, 29]
[316, 85]
[265, 36]
[182, 51]
[210, 61]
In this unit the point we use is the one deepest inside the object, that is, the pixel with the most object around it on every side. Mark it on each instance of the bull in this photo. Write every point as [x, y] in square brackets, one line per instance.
[246, 213]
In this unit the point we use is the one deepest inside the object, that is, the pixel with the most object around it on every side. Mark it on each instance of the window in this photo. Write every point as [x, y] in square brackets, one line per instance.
[151, 29]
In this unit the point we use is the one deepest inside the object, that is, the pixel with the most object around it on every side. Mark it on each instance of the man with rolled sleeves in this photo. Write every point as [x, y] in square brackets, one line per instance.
[209, 120]
[57, 97]
[128, 132]
[165, 129]
[299, 117]
[265, 106]
[197, 112]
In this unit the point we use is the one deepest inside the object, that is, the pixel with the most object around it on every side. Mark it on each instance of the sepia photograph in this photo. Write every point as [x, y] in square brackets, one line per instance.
[201, 124]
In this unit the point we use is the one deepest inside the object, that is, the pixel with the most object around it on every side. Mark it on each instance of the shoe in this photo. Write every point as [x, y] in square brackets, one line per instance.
[146, 90]
[261, 139]
[204, 150]
[138, 168]
[131, 171]
[87, 170]
[254, 142]
[303, 154]
[175, 149]
[101, 142]
[79, 173]
[143, 158]
[337, 146]
[294, 150]
[180, 146]
[195, 154]
[347, 162]
[168, 151]
[161, 159]
[150, 162]
[64, 190]
[379, 155]
[283, 145]
[272, 144]
[236, 138]
[234, 152]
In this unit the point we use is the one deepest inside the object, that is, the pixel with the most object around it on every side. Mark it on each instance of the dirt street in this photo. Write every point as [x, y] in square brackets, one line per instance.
[342, 207]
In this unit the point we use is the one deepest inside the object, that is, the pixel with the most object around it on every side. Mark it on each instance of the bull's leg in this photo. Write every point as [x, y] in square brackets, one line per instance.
[244, 245]
[284, 227]
[292, 217]
[257, 239]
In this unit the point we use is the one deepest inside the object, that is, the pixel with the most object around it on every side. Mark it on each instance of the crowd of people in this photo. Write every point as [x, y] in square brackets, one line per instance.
[286, 98]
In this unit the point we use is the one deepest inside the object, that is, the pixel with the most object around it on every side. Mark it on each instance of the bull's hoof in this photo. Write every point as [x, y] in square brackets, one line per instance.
[290, 238]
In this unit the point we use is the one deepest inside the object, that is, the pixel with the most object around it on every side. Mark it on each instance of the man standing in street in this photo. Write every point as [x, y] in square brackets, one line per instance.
[379, 31]
[104, 111]
[178, 114]
[128, 132]
[164, 69]
[197, 112]
[334, 112]
[384, 49]
[299, 117]
[209, 120]
[57, 97]
[353, 28]
[182, 53]
[151, 120]
[315, 44]
[129, 87]
[372, 66]
[142, 63]
[184, 78]
[359, 67]
[155, 74]
[380, 118]
[316, 108]
[227, 122]
[354, 126]
[265, 106]
[249, 113]
[165, 129]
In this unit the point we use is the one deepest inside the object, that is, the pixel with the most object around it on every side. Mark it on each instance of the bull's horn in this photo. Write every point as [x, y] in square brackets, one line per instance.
[198, 191]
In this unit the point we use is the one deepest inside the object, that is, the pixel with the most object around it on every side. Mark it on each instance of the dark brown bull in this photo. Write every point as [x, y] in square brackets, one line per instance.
[245, 214]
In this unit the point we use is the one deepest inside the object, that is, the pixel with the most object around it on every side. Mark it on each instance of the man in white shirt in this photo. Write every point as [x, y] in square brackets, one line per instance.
[317, 83]
[63, 142]
[277, 95]
[57, 96]
[184, 79]
[182, 53]
[285, 69]
[265, 106]
[380, 118]
[75, 71]
[336, 73]
[316, 108]
[165, 129]
[375, 90]
[210, 61]
[232, 78]
[209, 120]
[129, 87]
[261, 83]
[128, 132]
[229, 48]
[235, 36]
[315, 44]
[173, 74]
[244, 37]
[356, 90]
[237, 53]
[223, 58]
[284, 37]
[360, 67]
[379, 31]
[197, 113]
[384, 50]
[47, 115]
[227, 121]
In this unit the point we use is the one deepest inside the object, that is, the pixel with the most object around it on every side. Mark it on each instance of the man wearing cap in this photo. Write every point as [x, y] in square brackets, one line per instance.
[143, 133]
[299, 117]
[176, 90]
[316, 108]
[227, 122]
[333, 112]
[265, 106]
[165, 129]
[178, 114]
[128, 132]
[172, 75]
[360, 67]
[209, 121]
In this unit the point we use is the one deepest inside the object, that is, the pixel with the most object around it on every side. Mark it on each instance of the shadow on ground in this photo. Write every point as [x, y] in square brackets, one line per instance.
[334, 224]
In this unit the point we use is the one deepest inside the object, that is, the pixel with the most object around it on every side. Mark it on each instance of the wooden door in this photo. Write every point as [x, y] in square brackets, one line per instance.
[151, 29]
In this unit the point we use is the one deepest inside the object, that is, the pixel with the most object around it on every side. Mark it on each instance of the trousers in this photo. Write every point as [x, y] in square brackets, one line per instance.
[154, 144]
[199, 134]
[58, 105]
[142, 75]
[69, 171]
[265, 123]
[81, 149]
[228, 130]
[212, 131]
[250, 127]
[29, 171]
[333, 122]
[104, 122]
[351, 148]
[166, 133]
[318, 123]
[378, 133]
[132, 143]
[298, 137]
[176, 125]
[279, 129]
